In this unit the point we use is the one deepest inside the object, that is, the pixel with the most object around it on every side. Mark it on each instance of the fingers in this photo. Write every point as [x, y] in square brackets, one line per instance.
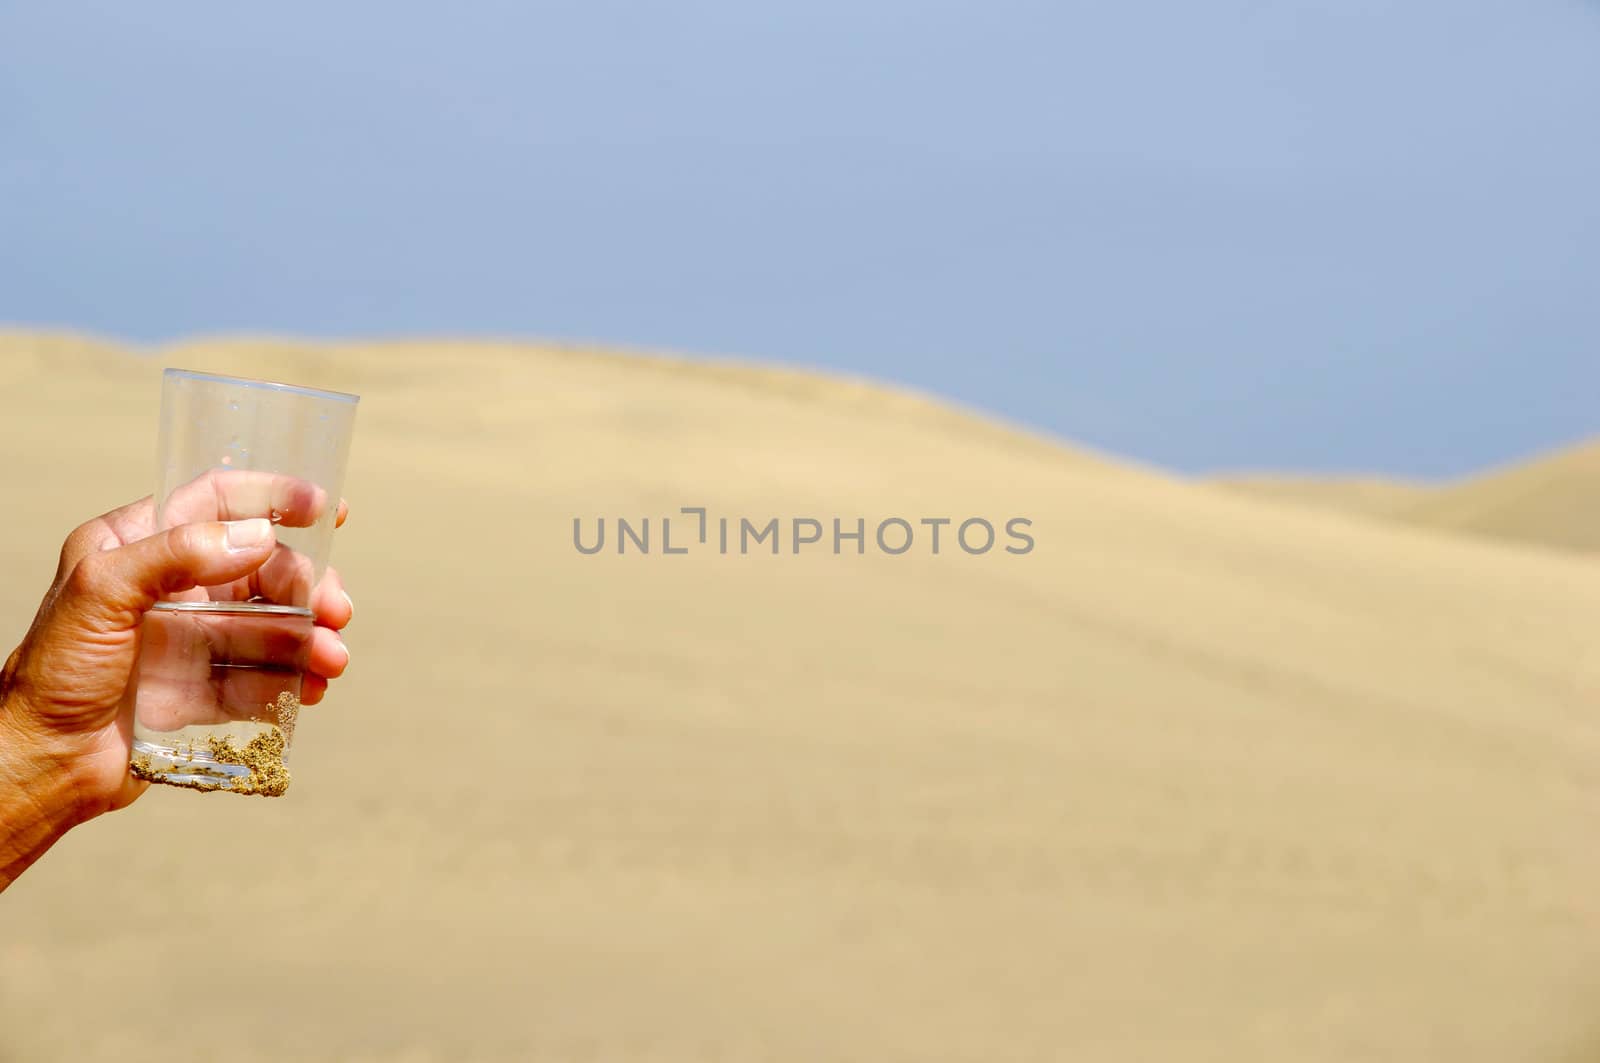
[110, 590]
[312, 688]
[329, 655]
[285, 578]
[222, 494]
[331, 602]
[235, 494]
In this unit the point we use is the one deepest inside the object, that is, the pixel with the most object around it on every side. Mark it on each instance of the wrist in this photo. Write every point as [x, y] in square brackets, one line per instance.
[39, 800]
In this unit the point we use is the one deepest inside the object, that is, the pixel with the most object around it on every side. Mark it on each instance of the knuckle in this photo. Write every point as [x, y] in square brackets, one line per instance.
[82, 541]
[88, 577]
[188, 541]
[182, 540]
[87, 534]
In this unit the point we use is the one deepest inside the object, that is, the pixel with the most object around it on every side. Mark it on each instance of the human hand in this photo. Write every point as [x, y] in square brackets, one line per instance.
[65, 693]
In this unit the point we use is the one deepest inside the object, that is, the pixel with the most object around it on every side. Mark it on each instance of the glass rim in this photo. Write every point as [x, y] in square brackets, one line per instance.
[270, 385]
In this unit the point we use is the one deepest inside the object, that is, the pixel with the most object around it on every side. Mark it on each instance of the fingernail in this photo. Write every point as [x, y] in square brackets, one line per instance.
[248, 534]
[343, 646]
[348, 602]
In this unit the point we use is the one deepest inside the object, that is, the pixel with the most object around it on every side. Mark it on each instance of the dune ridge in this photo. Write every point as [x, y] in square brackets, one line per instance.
[1363, 495]
[1548, 501]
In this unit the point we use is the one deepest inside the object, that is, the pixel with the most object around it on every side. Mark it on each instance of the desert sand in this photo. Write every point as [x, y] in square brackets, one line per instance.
[1203, 777]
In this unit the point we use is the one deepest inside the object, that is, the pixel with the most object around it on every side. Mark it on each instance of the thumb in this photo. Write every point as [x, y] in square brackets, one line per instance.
[110, 591]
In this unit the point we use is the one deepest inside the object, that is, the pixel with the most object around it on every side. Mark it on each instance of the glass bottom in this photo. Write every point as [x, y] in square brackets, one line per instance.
[246, 757]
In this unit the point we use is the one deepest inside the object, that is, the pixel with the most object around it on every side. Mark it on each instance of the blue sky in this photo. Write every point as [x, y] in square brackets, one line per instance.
[1320, 234]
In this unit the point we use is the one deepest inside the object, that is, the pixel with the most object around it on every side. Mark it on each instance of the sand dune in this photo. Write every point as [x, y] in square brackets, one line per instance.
[1549, 501]
[1199, 778]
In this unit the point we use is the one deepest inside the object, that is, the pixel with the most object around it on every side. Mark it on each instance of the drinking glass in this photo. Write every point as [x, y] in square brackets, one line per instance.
[217, 689]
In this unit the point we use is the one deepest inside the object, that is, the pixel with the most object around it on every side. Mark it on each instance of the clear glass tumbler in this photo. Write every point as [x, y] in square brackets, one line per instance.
[217, 689]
